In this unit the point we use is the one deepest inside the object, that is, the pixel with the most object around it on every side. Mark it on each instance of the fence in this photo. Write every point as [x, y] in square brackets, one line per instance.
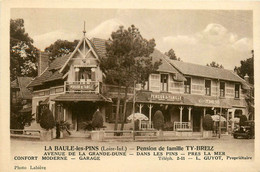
[182, 126]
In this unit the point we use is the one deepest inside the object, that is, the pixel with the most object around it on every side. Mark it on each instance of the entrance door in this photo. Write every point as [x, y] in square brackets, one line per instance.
[82, 113]
[196, 120]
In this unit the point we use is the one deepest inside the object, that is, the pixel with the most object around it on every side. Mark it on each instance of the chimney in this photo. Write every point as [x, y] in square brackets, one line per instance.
[43, 62]
[246, 77]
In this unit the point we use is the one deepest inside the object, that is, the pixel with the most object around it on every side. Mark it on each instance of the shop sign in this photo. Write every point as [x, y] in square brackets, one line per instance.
[166, 97]
[209, 102]
[83, 87]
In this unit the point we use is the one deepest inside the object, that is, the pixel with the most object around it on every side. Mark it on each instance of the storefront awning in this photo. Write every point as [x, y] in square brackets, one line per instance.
[77, 97]
[208, 101]
[188, 100]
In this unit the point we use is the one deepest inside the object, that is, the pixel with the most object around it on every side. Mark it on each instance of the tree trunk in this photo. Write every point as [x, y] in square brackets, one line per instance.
[124, 112]
[117, 109]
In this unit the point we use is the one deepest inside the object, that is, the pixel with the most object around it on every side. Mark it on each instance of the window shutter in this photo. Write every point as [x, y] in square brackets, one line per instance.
[93, 76]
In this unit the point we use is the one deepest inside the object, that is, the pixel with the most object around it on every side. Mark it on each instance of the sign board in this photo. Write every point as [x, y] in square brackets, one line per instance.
[166, 97]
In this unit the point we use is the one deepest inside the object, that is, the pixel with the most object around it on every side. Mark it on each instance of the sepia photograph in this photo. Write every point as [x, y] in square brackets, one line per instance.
[99, 89]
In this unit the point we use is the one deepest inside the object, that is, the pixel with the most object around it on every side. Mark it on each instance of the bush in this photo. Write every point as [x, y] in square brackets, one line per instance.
[47, 121]
[62, 126]
[242, 120]
[158, 121]
[18, 121]
[97, 120]
[168, 126]
[207, 123]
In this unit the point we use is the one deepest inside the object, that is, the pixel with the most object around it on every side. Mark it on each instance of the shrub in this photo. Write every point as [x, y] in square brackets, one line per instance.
[47, 121]
[97, 120]
[62, 126]
[242, 120]
[18, 121]
[207, 123]
[158, 121]
[168, 126]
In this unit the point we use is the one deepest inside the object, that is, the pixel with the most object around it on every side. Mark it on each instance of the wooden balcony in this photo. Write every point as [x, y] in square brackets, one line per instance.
[82, 87]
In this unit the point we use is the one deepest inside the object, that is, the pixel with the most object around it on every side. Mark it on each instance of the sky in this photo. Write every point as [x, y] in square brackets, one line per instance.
[196, 36]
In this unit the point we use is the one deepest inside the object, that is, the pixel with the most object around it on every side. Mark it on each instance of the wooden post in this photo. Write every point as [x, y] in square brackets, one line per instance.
[181, 108]
[220, 121]
[150, 115]
[64, 114]
[140, 108]
[189, 108]
[227, 121]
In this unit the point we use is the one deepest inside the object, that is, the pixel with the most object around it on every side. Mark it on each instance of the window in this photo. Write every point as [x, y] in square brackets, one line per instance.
[222, 89]
[82, 74]
[207, 87]
[237, 90]
[187, 84]
[164, 82]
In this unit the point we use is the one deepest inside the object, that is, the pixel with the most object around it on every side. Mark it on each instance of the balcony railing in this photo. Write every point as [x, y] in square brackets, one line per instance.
[145, 125]
[182, 126]
[82, 87]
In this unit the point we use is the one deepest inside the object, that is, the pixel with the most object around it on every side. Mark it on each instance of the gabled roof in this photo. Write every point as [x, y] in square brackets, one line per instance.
[100, 47]
[51, 73]
[205, 71]
[21, 83]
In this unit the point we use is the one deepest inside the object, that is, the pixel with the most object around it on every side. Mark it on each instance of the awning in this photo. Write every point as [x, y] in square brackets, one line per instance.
[77, 97]
[188, 100]
[240, 103]
[207, 101]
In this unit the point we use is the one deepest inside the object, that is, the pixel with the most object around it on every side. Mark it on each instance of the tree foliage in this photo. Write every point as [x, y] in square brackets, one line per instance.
[158, 120]
[216, 65]
[23, 55]
[47, 120]
[207, 123]
[18, 121]
[171, 55]
[246, 67]
[127, 61]
[60, 48]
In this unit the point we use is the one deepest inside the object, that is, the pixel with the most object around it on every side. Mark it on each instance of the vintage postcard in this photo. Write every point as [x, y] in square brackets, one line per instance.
[129, 86]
